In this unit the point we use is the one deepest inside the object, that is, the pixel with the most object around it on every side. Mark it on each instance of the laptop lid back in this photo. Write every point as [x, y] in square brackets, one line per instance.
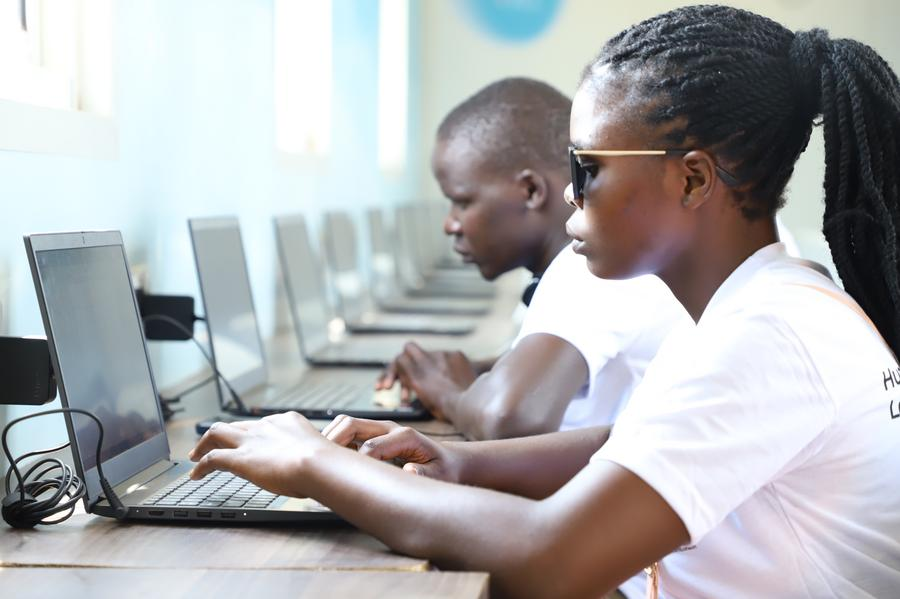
[339, 241]
[98, 351]
[228, 301]
[303, 283]
[385, 279]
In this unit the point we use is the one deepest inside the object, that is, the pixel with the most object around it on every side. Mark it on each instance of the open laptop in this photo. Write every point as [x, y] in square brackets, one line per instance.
[416, 255]
[354, 302]
[388, 288]
[100, 357]
[231, 319]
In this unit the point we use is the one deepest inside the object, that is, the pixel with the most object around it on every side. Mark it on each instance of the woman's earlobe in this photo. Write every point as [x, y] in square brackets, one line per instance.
[694, 199]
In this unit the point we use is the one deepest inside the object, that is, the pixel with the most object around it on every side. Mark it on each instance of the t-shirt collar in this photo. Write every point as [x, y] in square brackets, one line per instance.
[743, 273]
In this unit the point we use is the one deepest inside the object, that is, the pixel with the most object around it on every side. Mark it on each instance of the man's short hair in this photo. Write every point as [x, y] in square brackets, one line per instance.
[516, 123]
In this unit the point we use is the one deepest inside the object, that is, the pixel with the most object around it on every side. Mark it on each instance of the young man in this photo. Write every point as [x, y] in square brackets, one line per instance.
[499, 158]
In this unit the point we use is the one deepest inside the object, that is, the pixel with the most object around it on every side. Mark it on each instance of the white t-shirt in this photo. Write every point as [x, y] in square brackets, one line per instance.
[617, 326]
[772, 428]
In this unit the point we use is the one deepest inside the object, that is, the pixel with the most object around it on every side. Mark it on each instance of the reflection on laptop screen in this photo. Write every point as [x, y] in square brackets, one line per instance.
[304, 283]
[102, 360]
[229, 303]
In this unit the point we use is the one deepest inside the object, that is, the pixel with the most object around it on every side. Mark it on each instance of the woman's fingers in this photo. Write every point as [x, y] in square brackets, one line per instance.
[221, 435]
[214, 459]
[400, 443]
[345, 430]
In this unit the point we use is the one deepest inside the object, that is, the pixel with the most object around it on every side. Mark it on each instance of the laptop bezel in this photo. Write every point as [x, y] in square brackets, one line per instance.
[143, 455]
[253, 378]
[290, 286]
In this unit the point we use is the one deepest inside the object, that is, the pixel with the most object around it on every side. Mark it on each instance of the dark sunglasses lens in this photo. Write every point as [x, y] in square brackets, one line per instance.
[578, 176]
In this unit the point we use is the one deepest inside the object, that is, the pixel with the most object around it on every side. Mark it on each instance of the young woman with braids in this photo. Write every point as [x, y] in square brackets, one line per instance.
[759, 457]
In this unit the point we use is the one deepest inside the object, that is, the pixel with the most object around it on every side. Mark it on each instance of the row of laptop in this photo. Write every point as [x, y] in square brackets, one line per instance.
[234, 333]
[100, 357]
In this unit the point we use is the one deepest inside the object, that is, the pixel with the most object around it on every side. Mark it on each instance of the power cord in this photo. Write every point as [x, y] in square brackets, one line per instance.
[24, 508]
[239, 405]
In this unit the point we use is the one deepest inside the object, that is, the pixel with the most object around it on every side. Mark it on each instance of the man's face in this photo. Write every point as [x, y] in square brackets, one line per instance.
[487, 209]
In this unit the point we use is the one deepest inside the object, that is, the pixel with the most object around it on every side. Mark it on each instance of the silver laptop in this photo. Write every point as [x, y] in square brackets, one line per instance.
[355, 303]
[225, 287]
[388, 288]
[416, 256]
[100, 357]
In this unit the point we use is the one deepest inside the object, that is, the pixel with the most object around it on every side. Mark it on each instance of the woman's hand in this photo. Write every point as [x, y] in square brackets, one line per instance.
[389, 441]
[271, 452]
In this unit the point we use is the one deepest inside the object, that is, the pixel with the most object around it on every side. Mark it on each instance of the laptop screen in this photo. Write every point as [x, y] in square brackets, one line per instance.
[228, 301]
[101, 358]
[303, 282]
[339, 240]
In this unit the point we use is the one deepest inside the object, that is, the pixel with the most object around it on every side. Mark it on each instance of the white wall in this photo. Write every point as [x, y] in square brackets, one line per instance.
[194, 106]
[457, 59]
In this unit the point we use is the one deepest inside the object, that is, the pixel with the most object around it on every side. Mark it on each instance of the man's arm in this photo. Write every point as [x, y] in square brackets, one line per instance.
[482, 366]
[525, 393]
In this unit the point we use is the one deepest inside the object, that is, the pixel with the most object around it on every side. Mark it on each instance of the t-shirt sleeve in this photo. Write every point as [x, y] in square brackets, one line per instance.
[591, 314]
[720, 416]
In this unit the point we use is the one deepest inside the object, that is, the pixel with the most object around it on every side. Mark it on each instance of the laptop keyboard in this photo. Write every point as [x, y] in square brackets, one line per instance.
[331, 395]
[220, 489]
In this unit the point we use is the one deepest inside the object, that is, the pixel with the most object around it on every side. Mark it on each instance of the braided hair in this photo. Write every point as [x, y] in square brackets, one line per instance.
[748, 90]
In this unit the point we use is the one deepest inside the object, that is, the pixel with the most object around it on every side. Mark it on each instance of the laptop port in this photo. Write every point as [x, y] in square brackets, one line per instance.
[230, 515]
[204, 514]
[180, 513]
[156, 512]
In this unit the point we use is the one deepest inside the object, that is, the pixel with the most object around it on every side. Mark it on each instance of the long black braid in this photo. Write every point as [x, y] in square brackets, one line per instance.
[748, 90]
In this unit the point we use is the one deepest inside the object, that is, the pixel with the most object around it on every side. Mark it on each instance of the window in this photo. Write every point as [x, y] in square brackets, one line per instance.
[393, 83]
[303, 77]
[23, 74]
[56, 76]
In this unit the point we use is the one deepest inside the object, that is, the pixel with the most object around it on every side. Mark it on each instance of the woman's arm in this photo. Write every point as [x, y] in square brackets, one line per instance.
[533, 467]
[593, 533]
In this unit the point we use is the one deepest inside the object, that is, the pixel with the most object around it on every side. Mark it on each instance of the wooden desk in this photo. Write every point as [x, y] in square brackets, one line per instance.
[99, 557]
[40, 583]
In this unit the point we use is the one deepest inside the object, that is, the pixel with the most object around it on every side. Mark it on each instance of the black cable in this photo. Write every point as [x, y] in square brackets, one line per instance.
[23, 508]
[239, 404]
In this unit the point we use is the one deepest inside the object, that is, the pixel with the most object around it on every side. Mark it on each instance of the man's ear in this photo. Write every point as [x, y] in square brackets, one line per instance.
[534, 188]
[698, 177]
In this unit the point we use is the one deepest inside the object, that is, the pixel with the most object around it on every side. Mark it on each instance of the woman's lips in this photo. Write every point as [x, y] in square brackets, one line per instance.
[577, 246]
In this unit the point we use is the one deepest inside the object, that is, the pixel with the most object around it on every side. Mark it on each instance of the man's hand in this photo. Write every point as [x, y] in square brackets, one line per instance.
[389, 441]
[270, 452]
[437, 377]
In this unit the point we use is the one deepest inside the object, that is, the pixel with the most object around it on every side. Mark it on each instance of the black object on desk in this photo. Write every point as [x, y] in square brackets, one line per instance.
[26, 373]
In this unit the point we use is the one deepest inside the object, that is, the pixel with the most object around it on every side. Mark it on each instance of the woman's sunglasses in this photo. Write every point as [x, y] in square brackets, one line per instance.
[580, 173]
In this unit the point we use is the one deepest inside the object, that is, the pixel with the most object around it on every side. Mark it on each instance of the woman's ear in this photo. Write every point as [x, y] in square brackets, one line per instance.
[534, 188]
[698, 175]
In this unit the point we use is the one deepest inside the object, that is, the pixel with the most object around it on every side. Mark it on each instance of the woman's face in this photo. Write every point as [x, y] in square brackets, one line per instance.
[631, 220]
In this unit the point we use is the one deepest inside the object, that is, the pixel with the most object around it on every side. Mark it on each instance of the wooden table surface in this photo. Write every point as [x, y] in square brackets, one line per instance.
[114, 583]
[99, 557]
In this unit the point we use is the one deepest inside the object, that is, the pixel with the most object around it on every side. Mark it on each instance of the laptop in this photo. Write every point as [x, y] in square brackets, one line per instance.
[416, 255]
[387, 285]
[354, 302]
[100, 357]
[234, 334]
